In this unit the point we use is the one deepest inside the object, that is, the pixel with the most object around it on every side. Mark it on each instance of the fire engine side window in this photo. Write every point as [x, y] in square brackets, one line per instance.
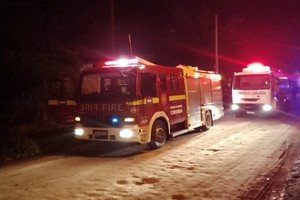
[107, 86]
[90, 84]
[162, 82]
[68, 87]
[206, 95]
[174, 83]
[148, 84]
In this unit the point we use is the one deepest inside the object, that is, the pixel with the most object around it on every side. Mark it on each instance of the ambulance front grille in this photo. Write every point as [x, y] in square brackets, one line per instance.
[250, 107]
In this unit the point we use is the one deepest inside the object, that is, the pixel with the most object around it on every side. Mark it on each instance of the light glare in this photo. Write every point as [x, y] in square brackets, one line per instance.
[122, 62]
[126, 133]
[129, 119]
[79, 131]
[234, 107]
[267, 107]
[115, 120]
[77, 119]
[256, 67]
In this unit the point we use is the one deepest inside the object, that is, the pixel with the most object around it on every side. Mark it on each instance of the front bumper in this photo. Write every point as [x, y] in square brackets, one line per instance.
[252, 108]
[140, 135]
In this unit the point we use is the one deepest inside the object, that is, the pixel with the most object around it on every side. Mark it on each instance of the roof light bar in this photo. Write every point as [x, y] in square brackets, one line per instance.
[256, 67]
[122, 62]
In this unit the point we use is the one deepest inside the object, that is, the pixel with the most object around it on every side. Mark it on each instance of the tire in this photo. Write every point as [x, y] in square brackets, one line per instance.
[159, 134]
[239, 114]
[208, 121]
[2, 159]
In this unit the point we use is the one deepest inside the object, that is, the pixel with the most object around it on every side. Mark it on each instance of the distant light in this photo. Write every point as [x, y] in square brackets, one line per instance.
[77, 119]
[216, 77]
[142, 66]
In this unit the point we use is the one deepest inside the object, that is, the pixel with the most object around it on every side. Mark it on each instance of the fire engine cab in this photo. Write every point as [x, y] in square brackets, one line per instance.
[258, 90]
[134, 100]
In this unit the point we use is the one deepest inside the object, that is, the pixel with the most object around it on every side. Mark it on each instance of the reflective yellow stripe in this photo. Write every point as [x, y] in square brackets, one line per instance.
[143, 101]
[62, 102]
[52, 102]
[71, 103]
[155, 100]
[136, 103]
[177, 97]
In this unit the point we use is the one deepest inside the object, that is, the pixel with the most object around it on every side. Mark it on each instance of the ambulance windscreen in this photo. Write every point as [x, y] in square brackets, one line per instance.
[251, 82]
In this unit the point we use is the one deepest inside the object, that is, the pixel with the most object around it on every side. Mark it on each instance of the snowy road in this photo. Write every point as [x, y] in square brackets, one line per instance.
[222, 163]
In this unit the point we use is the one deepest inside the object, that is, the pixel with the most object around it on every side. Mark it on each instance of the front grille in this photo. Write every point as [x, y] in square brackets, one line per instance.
[101, 121]
[250, 107]
[98, 137]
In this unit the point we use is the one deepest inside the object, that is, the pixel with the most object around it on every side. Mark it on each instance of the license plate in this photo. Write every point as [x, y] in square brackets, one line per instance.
[250, 112]
[100, 133]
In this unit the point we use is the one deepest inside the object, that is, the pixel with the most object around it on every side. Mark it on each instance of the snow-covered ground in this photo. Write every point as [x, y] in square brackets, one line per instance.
[222, 163]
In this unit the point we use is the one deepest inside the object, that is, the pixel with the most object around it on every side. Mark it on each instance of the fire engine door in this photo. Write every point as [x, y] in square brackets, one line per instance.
[194, 97]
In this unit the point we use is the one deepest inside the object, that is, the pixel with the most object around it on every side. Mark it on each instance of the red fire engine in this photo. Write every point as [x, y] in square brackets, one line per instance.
[133, 100]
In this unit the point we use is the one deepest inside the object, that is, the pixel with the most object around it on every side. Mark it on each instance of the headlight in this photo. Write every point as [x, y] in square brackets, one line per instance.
[79, 131]
[126, 133]
[267, 107]
[234, 107]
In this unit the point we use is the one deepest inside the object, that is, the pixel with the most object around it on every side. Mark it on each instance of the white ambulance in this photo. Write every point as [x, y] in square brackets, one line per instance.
[258, 90]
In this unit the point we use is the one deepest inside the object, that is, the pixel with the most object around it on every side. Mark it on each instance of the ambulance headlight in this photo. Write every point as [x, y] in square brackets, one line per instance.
[79, 131]
[267, 107]
[126, 133]
[234, 107]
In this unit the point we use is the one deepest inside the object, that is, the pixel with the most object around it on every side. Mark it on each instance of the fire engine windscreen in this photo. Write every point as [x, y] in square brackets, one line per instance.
[251, 82]
[106, 85]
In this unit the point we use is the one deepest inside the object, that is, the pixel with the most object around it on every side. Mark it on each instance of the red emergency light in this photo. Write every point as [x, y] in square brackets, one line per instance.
[256, 67]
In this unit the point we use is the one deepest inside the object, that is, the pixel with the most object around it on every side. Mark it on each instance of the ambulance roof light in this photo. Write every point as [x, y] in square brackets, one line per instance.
[256, 67]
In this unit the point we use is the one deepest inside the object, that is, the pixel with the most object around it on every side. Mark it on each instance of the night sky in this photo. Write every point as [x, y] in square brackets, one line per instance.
[166, 32]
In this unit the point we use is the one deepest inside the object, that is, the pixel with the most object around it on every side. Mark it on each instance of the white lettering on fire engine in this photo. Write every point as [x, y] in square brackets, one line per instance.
[177, 106]
[103, 107]
[144, 120]
[89, 107]
[174, 112]
[112, 107]
[177, 109]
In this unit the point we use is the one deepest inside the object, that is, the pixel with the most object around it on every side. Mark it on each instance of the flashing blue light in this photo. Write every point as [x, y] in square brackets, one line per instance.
[115, 120]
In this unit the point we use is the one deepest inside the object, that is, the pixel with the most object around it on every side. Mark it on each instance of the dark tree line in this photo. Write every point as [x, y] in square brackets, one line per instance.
[50, 39]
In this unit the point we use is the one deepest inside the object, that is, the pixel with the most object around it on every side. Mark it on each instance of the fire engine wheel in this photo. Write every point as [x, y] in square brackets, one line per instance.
[208, 121]
[158, 135]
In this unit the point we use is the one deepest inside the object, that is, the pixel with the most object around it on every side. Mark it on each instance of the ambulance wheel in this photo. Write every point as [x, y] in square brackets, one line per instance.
[239, 114]
[158, 135]
[208, 121]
